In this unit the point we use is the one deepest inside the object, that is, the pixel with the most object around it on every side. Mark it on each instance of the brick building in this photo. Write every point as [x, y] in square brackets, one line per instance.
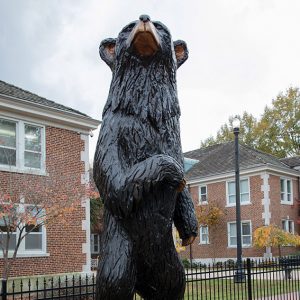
[269, 193]
[60, 136]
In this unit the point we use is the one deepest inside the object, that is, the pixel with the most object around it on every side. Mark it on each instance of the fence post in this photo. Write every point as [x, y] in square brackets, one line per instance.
[249, 279]
[4, 289]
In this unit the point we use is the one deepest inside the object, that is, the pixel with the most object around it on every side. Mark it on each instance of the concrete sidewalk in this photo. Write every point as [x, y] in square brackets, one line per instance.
[290, 296]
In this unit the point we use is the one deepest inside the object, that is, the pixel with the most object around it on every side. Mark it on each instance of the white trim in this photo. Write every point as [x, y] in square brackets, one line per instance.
[265, 188]
[26, 254]
[228, 234]
[255, 170]
[199, 195]
[44, 112]
[286, 224]
[20, 149]
[227, 192]
[86, 247]
[286, 179]
[201, 240]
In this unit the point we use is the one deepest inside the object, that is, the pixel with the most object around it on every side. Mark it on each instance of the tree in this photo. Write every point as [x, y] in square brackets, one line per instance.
[277, 132]
[209, 215]
[96, 212]
[29, 202]
[279, 127]
[248, 132]
[273, 236]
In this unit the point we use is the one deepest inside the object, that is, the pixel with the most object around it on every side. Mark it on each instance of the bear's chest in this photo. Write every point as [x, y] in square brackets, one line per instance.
[138, 140]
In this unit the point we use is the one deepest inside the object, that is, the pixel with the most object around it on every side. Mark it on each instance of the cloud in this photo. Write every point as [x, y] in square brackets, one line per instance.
[242, 53]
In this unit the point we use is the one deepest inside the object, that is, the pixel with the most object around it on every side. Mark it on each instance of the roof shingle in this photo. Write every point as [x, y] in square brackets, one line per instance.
[16, 92]
[220, 159]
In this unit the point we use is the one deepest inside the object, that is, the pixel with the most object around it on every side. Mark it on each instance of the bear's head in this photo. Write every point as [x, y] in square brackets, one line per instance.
[143, 41]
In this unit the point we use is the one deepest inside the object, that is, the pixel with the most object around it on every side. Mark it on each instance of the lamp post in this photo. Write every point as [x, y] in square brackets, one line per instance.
[239, 275]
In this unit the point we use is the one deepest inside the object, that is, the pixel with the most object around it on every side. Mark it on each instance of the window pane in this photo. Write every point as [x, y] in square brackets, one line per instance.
[33, 228]
[244, 186]
[232, 199]
[282, 196]
[246, 229]
[32, 160]
[245, 198]
[203, 190]
[232, 229]
[33, 241]
[231, 188]
[7, 133]
[12, 241]
[233, 241]
[288, 183]
[33, 138]
[7, 156]
[282, 185]
[246, 240]
[203, 198]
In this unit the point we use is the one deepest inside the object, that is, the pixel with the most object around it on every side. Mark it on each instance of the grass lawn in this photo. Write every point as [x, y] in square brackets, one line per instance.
[225, 289]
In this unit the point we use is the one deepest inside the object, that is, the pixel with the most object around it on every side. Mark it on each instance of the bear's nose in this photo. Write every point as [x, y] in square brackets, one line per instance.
[144, 18]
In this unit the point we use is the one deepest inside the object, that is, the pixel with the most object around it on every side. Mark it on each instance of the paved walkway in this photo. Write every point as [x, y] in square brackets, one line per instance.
[291, 296]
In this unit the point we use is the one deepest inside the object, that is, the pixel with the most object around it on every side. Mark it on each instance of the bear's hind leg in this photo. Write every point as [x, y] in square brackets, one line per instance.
[116, 274]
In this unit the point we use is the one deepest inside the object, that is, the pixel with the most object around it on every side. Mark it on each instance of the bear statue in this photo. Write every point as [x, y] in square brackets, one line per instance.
[138, 167]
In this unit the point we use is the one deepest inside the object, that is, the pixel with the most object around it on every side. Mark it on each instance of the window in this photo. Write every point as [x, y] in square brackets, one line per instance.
[288, 226]
[34, 237]
[22, 145]
[8, 144]
[3, 237]
[244, 192]
[286, 190]
[246, 233]
[203, 194]
[95, 243]
[204, 235]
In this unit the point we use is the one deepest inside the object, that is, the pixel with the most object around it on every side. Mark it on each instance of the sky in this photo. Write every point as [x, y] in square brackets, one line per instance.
[242, 54]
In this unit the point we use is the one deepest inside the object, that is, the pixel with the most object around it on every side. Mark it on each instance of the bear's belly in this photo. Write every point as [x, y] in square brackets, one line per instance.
[153, 216]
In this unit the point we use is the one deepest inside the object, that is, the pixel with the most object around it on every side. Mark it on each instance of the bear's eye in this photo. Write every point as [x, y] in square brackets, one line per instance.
[158, 26]
[129, 27]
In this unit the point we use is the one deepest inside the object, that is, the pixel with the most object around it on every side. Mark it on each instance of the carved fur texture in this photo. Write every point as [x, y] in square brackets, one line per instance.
[138, 167]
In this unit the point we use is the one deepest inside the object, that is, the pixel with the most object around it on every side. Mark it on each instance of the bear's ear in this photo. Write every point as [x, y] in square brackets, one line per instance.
[181, 52]
[107, 51]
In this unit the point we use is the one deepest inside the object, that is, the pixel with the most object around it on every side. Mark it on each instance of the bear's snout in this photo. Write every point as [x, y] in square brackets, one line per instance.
[144, 38]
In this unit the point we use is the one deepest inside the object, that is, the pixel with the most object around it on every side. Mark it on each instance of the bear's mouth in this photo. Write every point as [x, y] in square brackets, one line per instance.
[144, 39]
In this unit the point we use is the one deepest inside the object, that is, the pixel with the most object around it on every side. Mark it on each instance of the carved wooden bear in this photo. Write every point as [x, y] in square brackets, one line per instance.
[138, 167]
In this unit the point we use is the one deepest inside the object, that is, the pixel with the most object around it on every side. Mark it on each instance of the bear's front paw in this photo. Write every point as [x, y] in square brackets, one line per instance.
[181, 186]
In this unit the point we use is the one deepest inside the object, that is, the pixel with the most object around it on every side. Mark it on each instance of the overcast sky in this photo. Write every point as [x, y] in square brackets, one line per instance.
[242, 53]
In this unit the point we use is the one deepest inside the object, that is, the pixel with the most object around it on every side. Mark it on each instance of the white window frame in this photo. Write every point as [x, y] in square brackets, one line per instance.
[285, 192]
[93, 243]
[20, 149]
[199, 195]
[229, 236]
[227, 192]
[22, 252]
[203, 241]
[286, 225]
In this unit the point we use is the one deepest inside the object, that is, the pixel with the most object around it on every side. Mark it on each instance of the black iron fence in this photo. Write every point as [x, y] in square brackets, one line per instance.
[263, 280]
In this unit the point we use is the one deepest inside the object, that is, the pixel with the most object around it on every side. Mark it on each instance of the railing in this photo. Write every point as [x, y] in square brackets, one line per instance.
[263, 280]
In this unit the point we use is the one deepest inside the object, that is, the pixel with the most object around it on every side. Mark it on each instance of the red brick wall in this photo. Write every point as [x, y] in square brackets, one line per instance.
[64, 237]
[216, 192]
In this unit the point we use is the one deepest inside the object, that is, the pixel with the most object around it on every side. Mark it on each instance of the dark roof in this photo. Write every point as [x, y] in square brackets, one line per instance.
[292, 161]
[16, 92]
[219, 159]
